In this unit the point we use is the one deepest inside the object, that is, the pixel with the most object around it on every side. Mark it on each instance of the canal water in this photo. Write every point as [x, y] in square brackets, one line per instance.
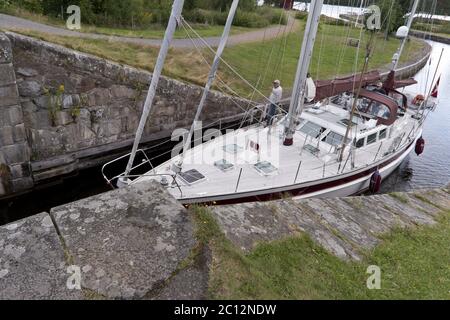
[432, 169]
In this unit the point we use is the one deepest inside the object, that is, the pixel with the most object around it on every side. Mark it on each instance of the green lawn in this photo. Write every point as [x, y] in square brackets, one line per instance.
[278, 58]
[415, 264]
[260, 62]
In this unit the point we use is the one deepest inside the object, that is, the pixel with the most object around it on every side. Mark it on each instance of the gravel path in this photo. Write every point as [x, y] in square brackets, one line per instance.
[15, 23]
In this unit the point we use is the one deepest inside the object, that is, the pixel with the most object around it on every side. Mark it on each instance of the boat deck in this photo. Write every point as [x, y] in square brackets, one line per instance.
[319, 160]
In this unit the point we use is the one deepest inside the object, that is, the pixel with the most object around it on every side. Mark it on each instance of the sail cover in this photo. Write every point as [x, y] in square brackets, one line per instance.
[391, 83]
[310, 90]
[330, 88]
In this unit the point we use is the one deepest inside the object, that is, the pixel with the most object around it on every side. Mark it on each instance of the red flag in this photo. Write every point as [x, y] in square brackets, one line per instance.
[435, 92]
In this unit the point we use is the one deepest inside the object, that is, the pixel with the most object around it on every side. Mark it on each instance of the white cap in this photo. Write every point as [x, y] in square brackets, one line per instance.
[277, 82]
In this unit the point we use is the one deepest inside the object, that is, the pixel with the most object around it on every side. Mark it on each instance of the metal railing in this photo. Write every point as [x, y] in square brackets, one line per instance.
[122, 175]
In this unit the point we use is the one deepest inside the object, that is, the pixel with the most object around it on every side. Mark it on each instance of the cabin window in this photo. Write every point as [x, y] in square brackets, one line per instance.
[313, 150]
[192, 177]
[383, 134]
[334, 139]
[266, 168]
[398, 98]
[360, 143]
[224, 165]
[312, 129]
[372, 138]
[380, 110]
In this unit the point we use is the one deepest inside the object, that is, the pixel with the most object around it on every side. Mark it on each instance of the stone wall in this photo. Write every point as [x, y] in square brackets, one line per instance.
[126, 245]
[15, 175]
[76, 106]
[122, 245]
[433, 37]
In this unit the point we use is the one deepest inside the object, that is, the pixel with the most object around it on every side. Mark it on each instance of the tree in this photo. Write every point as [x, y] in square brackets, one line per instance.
[393, 14]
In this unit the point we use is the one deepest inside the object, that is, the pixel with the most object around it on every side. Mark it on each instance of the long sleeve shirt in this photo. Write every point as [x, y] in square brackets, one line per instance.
[277, 95]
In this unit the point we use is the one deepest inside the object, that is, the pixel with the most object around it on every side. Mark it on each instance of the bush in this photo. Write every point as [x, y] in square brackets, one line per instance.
[301, 15]
[4, 4]
[436, 28]
[333, 21]
[262, 17]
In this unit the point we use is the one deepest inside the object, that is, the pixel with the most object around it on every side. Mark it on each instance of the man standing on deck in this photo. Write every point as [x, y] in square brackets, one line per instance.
[275, 98]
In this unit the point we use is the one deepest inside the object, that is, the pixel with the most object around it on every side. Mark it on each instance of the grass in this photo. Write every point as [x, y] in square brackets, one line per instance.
[400, 197]
[414, 265]
[258, 62]
[278, 58]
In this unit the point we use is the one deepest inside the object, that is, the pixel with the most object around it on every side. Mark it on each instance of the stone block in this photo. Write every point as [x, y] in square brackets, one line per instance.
[15, 115]
[5, 49]
[9, 95]
[22, 184]
[27, 72]
[16, 154]
[31, 89]
[98, 97]
[126, 242]
[32, 262]
[20, 170]
[121, 92]
[6, 136]
[19, 133]
[67, 101]
[37, 120]
[42, 102]
[7, 76]
[63, 118]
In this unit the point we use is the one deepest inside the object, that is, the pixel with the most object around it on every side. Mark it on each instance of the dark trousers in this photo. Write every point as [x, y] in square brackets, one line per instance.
[271, 113]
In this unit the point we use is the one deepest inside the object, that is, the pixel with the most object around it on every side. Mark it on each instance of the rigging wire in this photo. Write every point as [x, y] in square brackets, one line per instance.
[224, 61]
[218, 77]
[321, 47]
[283, 40]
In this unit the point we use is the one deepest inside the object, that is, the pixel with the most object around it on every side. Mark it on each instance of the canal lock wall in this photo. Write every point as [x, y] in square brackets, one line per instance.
[140, 243]
[62, 111]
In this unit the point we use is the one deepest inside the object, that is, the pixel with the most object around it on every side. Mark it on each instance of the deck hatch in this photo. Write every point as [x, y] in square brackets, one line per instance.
[313, 150]
[224, 165]
[266, 168]
[192, 177]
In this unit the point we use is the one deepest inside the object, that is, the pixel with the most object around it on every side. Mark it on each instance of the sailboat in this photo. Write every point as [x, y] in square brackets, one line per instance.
[352, 135]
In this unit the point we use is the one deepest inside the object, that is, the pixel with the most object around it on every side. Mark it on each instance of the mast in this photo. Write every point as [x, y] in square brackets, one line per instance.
[211, 78]
[358, 92]
[402, 46]
[298, 95]
[175, 15]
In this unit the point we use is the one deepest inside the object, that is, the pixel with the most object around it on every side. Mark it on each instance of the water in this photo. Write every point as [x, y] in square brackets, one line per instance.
[432, 169]
[334, 10]
[331, 10]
